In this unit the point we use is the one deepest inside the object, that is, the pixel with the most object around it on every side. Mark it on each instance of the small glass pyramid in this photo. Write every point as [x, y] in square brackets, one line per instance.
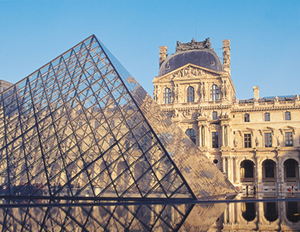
[81, 126]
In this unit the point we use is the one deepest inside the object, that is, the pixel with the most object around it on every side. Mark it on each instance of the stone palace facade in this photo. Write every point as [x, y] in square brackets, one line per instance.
[254, 142]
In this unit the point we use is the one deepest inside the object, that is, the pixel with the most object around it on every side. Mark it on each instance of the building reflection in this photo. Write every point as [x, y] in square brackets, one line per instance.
[241, 216]
[260, 216]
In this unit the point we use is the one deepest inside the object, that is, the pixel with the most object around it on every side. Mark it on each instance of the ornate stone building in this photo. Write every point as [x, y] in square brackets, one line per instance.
[255, 142]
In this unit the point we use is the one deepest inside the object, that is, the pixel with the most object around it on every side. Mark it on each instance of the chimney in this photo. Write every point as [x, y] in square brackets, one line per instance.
[163, 53]
[256, 92]
[226, 55]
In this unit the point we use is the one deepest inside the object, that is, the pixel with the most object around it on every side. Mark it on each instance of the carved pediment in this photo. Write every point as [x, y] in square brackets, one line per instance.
[188, 71]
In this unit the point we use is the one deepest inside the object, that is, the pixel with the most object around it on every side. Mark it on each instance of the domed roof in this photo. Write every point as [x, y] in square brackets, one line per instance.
[197, 53]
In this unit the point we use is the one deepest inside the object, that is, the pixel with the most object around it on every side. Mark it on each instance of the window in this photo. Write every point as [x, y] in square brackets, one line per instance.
[167, 95]
[268, 140]
[246, 118]
[287, 115]
[267, 117]
[192, 134]
[247, 140]
[215, 115]
[190, 94]
[290, 168]
[269, 168]
[215, 139]
[288, 139]
[214, 93]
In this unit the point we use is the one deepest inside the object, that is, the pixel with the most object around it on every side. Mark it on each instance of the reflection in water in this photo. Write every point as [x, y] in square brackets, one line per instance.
[248, 211]
[293, 211]
[260, 216]
[111, 218]
[241, 216]
[271, 211]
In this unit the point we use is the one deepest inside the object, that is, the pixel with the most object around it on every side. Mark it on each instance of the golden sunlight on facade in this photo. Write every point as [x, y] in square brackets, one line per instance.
[254, 142]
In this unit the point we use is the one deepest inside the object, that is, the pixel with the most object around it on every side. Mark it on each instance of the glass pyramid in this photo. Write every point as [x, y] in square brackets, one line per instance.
[170, 217]
[81, 126]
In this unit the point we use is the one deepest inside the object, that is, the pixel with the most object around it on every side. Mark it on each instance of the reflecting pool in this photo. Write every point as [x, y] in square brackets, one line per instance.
[244, 213]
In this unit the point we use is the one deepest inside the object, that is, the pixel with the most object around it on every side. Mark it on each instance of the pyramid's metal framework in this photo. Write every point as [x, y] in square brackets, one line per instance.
[82, 126]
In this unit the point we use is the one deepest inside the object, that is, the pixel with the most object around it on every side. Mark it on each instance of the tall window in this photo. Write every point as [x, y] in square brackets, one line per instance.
[267, 117]
[214, 92]
[192, 134]
[215, 139]
[288, 139]
[246, 118]
[269, 168]
[287, 115]
[190, 94]
[290, 168]
[247, 140]
[167, 95]
[268, 140]
[215, 115]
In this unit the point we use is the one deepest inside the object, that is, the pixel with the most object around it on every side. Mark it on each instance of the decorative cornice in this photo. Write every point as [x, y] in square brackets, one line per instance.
[216, 107]
[273, 108]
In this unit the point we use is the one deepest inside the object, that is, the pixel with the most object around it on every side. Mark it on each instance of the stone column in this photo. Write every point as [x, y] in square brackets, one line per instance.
[234, 170]
[280, 174]
[229, 167]
[224, 164]
[257, 171]
[298, 174]
[226, 135]
[206, 136]
[223, 135]
[200, 135]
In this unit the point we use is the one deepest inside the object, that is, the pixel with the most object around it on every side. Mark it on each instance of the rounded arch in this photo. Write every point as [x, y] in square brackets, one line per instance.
[271, 211]
[214, 92]
[192, 134]
[269, 170]
[167, 95]
[292, 210]
[190, 94]
[248, 210]
[247, 170]
[291, 170]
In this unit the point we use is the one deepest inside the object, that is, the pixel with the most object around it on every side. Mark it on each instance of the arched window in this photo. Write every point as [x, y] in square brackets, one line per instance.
[271, 211]
[287, 115]
[247, 170]
[267, 117]
[215, 115]
[292, 209]
[246, 118]
[248, 211]
[214, 92]
[167, 95]
[269, 169]
[291, 168]
[192, 134]
[190, 94]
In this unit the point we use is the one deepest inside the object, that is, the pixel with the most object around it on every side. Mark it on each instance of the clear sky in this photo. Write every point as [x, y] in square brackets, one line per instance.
[264, 35]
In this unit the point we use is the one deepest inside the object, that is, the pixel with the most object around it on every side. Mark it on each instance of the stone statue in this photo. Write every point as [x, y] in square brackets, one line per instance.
[256, 142]
[235, 142]
[278, 143]
[203, 91]
[193, 45]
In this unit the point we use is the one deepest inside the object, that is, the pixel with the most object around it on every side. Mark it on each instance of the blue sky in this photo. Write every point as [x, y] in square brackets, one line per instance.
[264, 35]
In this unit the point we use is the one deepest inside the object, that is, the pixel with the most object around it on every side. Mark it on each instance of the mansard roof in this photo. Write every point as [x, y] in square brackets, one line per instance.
[198, 53]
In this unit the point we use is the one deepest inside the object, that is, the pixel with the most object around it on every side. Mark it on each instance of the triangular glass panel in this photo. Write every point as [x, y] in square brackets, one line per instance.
[82, 126]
